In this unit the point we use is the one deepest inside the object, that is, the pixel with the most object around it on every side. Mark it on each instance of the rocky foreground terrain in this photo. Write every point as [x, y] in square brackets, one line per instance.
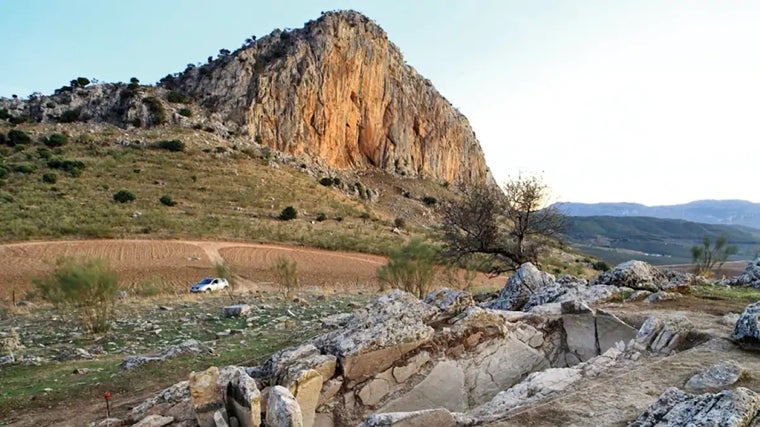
[546, 351]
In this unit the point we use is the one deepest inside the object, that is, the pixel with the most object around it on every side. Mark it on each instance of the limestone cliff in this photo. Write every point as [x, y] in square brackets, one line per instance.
[340, 91]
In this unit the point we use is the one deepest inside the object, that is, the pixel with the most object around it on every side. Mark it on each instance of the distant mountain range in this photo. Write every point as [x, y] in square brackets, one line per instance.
[729, 212]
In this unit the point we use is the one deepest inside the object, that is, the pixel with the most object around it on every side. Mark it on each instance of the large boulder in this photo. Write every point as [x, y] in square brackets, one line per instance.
[206, 395]
[450, 301]
[516, 293]
[635, 275]
[379, 334]
[283, 409]
[728, 408]
[747, 328]
[285, 365]
[716, 377]
[750, 277]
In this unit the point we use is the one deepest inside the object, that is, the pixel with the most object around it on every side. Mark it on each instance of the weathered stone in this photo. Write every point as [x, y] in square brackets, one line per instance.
[449, 301]
[638, 296]
[329, 390]
[379, 334]
[238, 310]
[306, 388]
[662, 296]
[580, 330]
[516, 293]
[244, 399]
[634, 275]
[427, 418]
[220, 420]
[206, 395]
[716, 377]
[284, 365]
[662, 337]
[412, 366]
[176, 393]
[750, 276]
[443, 387]
[283, 409]
[747, 328]
[728, 408]
[610, 330]
[186, 347]
[154, 421]
[377, 388]
[324, 420]
[336, 320]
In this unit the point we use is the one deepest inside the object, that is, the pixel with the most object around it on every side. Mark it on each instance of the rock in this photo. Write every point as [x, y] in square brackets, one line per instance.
[750, 277]
[638, 296]
[662, 296]
[186, 347]
[244, 399]
[636, 275]
[662, 337]
[238, 310]
[110, 422]
[412, 366]
[329, 390]
[220, 420]
[716, 377]
[728, 408]
[6, 360]
[516, 293]
[747, 328]
[450, 301]
[176, 393]
[283, 409]
[285, 365]
[206, 395]
[443, 387]
[379, 334]
[336, 320]
[306, 389]
[431, 417]
[154, 421]
[730, 319]
[377, 388]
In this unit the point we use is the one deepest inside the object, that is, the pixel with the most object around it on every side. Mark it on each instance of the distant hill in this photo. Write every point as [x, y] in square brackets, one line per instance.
[730, 212]
[656, 240]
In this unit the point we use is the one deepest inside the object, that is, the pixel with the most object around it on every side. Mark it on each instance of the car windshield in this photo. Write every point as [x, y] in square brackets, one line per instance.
[206, 281]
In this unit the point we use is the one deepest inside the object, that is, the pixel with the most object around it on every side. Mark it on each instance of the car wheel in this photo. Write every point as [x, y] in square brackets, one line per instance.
[208, 291]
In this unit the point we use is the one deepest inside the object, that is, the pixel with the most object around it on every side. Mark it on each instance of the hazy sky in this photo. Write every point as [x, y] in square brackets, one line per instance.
[641, 101]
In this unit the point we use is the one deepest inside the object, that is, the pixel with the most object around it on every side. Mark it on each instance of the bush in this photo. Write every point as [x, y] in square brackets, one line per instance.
[321, 217]
[167, 200]
[123, 196]
[44, 153]
[87, 286]
[399, 222]
[288, 213]
[56, 140]
[410, 268]
[49, 178]
[17, 137]
[601, 266]
[4, 114]
[19, 119]
[70, 116]
[174, 145]
[24, 168]
[287, 273]
[72, 167]
[177, 97]
[429, 200]
[186, 112]
[156, 109]
[137, 122]
[3, 172]
[326, 181]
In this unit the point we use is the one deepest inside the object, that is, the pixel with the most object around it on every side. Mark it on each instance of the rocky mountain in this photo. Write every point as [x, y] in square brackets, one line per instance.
[736, 212]
[336, 91]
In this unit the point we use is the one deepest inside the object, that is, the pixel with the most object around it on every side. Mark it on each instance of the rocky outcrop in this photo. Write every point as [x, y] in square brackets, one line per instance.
[636, 275]
[728, 408]
[526, 281]
[747, 328]
[340, 91]
[750, 277]
[186, 347]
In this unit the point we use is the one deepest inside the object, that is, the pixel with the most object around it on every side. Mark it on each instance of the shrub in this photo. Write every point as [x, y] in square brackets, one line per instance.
[87, 286]
[16, 137]
[80, 82]
[288, 213]
[287, 273]
[4, 114]
[123, 196]
[24, 168]
[399, 222]
[17, 120]
[174, 145]
[326, 181]
[3, 172]
[134, 84]
[186, 112]
[321, 217]
[70, 116]
[49, 178]
[410, 268]
[43, 153]
[56, 140]
[137, 122]
[72, 167]
[156, 109]
[601, 266]
[177, 97]
[429, 200]
[167, 200]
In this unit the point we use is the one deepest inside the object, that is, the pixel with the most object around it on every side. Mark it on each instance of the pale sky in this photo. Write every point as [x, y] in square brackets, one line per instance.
[655, 102]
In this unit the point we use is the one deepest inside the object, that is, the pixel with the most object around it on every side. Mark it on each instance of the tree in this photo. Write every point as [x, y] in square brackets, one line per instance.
[410, 267]
[510, 227]
[707, 256]
[288, 213]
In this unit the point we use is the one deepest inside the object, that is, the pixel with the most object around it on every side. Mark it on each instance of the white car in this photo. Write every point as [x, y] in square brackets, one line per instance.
[210, 284]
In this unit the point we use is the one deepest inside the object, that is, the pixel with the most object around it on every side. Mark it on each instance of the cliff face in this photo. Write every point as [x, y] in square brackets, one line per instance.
[339, 90]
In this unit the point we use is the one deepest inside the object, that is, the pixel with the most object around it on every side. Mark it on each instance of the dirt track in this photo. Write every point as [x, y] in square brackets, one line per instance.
[177, 264]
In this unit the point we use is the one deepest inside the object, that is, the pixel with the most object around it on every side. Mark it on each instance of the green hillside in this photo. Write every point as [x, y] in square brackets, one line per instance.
[655, 240]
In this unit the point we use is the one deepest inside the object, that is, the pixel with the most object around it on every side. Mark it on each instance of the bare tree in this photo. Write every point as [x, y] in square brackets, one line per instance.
[510, 227]
[706, 257]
